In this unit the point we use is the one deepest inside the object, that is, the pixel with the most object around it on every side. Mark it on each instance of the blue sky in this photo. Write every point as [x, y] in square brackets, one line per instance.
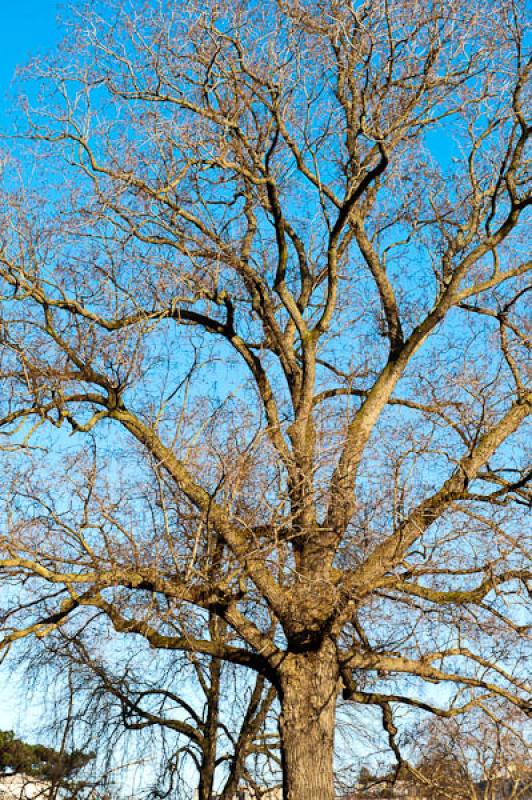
[27, 27]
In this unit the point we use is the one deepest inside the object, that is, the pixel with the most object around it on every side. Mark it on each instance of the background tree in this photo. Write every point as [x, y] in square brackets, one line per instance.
[475, 757]
[179, 717]
[468, 757]
[273, 267]
[37, 760]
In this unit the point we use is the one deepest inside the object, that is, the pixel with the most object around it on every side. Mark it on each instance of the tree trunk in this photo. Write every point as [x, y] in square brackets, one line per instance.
[210, 738]
[309, 684]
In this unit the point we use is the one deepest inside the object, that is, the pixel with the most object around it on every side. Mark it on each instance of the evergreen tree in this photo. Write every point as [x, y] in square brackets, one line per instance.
[38, 760]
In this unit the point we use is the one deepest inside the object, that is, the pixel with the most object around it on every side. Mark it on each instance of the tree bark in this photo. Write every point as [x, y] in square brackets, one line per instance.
[208, 764]
[309, 687]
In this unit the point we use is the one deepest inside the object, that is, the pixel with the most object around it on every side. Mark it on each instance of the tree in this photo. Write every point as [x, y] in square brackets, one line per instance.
[474, 757]
[468, 757]
[271, 276]
[178, 714]
[39, 761]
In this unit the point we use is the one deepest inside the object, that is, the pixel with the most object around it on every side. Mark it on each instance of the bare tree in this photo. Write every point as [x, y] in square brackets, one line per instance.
[486, 760]
[472, 758]
[467, 757]
[181, 717]
[273, 266]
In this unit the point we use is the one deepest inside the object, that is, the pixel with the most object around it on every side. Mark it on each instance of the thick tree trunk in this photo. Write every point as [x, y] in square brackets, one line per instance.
[309, 684]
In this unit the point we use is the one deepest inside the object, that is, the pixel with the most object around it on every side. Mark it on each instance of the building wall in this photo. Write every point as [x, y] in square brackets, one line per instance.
[22, 787]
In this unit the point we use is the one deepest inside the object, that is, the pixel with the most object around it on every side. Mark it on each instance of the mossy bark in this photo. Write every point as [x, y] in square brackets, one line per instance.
[309, 684]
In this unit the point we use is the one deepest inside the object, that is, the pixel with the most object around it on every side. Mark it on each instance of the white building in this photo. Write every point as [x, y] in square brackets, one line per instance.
[23, 787]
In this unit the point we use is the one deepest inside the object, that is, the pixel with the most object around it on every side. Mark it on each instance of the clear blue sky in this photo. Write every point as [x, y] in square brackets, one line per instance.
[27, 27]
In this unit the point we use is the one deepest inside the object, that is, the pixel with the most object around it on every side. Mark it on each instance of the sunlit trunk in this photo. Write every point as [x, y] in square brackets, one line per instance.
[309, 686]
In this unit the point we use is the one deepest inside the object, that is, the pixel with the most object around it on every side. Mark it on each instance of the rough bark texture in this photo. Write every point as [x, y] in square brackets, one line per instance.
[309, 685]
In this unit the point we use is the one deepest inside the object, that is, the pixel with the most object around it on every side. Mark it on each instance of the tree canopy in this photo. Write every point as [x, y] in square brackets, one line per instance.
[37, 760]
[263, 352]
